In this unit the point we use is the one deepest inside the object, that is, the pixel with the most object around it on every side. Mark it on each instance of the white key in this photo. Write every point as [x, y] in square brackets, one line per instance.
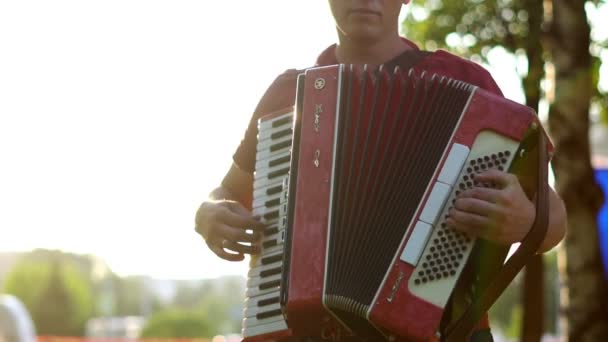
[261, 192]
[257, 260]
[251, 312]
[252, 321]
[268, 144]
[265, 328]
[277, 248]
[263, 211]
[267, 124]
[263, 202]
[253, 301]
[263, 182]
[267, 153]
[255, 272]
[256, 291]
[275, 134]
[257, 281]
[266, 173]
[265, 163]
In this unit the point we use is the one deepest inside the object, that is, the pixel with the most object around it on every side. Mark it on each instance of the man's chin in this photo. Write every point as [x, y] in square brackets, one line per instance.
[365, 35]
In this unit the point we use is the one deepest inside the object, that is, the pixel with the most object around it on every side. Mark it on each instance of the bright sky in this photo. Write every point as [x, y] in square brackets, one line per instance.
[118, 117]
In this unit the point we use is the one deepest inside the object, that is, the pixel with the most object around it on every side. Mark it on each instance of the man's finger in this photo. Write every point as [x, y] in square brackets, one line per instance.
[220, 252]
[470, 231]
[238, 208]
[241, 221]
[476, 206]
[485, 194]
[468, 221]
[500, 178]
[236, 234]
[240, 248]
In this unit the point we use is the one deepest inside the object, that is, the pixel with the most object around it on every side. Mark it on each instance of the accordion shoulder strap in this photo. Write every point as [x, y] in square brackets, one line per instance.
[464, 325]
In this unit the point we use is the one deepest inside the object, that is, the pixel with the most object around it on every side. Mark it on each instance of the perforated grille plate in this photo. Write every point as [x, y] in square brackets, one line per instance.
[446, 249]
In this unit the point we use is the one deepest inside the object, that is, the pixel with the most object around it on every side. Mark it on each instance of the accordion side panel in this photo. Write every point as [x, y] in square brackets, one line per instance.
[404, 297]
[305, 313]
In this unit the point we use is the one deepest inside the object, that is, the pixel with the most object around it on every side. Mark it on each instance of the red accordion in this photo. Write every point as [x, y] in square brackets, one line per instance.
[355, 187]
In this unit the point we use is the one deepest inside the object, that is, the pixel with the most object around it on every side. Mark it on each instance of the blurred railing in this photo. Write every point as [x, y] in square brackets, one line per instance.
[118, 339]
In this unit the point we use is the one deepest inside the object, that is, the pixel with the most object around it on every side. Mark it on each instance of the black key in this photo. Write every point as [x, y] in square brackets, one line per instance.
[282, 122]
[272, 259]
[271, 231]
[279, 161]
[277, 173]
[280, 134]
[273, 203]
[280, 145]
[268, 301]
[270, 284]
[269, 243]
[271, 215]
[271, 272]
[269, 314]
[274, 190]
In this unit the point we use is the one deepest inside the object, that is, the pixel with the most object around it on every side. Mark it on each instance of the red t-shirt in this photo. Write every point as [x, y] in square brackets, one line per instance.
[281, 94]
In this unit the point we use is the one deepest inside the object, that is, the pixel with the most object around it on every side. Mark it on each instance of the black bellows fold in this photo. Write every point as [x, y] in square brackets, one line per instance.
[393, 130]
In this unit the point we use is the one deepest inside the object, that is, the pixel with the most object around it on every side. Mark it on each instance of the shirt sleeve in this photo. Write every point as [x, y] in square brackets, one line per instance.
[280, 95]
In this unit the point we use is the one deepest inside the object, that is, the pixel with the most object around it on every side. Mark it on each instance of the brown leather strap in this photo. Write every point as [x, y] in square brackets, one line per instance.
[460, 330]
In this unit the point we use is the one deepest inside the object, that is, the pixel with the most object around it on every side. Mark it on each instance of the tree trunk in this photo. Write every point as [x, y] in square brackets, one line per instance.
[532, 291]
[585, 295]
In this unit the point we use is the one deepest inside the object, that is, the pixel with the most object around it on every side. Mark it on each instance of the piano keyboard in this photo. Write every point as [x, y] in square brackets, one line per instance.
[262, 313]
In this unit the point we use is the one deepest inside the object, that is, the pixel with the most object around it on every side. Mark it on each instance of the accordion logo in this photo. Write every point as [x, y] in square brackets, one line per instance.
[395, 287]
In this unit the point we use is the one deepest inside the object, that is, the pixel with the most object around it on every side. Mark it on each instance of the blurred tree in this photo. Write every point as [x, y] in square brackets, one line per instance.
[473, 29]
[133, 297]
[175, 323]
[585, 302]
[188, 296]
[508, 308]
[222, 299]
[55, 292]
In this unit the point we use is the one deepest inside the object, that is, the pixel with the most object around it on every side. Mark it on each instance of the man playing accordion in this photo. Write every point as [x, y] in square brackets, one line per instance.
[368, 34]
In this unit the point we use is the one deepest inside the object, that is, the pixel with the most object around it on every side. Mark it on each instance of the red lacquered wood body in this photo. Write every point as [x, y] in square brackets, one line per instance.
[269, 337]
[305, 312]
[406, 316]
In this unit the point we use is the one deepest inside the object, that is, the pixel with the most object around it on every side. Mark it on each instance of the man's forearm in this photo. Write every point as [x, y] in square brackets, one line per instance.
[557, 222]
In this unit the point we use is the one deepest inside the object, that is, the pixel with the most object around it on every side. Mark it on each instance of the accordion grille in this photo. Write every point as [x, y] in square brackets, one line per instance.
[393, 130]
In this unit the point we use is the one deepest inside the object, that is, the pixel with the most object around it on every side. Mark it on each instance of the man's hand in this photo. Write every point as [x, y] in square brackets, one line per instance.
[501, 213]
[224, 225]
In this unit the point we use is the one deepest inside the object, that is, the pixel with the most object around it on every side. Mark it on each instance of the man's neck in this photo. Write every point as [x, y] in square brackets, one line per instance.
[349, 51]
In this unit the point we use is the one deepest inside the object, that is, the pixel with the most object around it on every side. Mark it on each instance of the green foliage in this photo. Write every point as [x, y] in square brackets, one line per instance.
[222, 302]
[468, 27]
[55, 291]
[175, 323]
[131, 296]
[506, 313]
[219, 302]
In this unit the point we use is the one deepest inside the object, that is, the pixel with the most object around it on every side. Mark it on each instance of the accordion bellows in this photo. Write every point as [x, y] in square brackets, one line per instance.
[355, 184]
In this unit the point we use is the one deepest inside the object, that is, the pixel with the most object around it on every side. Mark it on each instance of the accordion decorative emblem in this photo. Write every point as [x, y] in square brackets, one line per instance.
[355, 184]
